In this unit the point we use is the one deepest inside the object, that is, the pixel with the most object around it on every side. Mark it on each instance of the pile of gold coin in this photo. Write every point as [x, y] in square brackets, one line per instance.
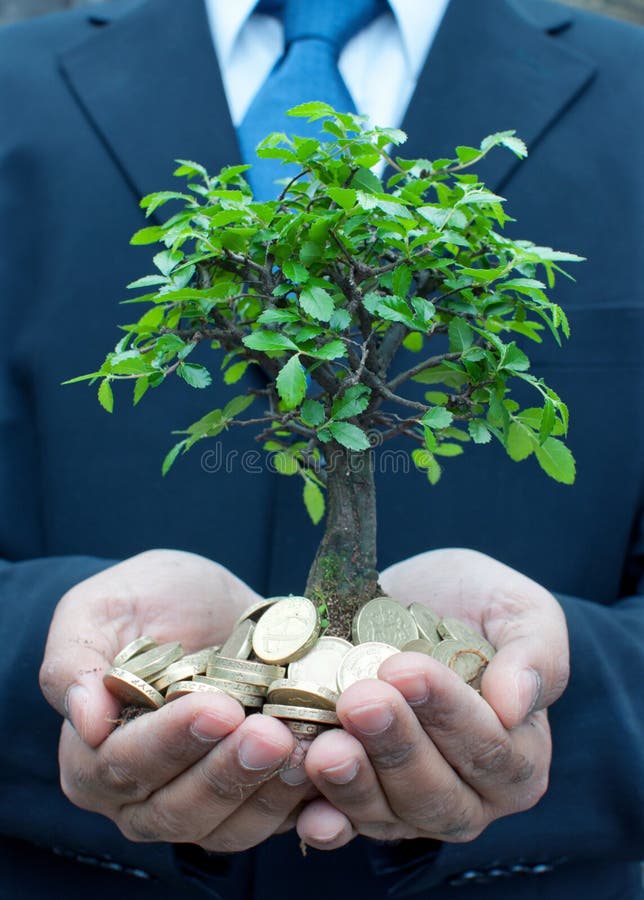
[277, 662]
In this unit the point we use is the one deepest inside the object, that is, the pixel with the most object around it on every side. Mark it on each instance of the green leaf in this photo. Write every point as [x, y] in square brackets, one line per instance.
[278, 317]
[514, 359]
[237, 405]
[295, 272]
[556, 460]
[171, 456]
[150, 235]
[105, 395]
[507, 139]
[285, 463]
[448, 450]
[521, 442]
[479, 431]
[461, 335]
[291, 383]
[312, 413]
[148, 281]
[413, 342]
[354, 401]
[340, 320]
[167, 260]
[423, 459]
[313, 501]
[332, 350]
[350, 436]
[141, 386]
[317, 302]
[344, 197]
[194, 375]
[547, 420]
[312, 110]
[233, 374]
[438, 417]
[268, 341]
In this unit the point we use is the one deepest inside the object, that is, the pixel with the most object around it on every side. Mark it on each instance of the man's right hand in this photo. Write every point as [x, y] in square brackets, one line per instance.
[194, 771]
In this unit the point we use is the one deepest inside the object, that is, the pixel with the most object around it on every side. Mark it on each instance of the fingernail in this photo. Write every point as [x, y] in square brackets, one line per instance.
[372, 718]
[413, 687]
[75, 703]
[260, 754]
[209, 728]
[343, 773]
[528, 688]
[294, 776]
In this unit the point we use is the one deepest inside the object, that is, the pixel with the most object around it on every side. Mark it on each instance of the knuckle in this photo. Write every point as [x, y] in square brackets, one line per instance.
[116, 777]
[220, 785]
[152, 822]
[226, 842]
[492, 757]
[74, 788]
[398, 756]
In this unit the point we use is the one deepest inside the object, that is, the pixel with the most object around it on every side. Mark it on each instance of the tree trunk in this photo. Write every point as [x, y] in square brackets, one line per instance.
[344, 575]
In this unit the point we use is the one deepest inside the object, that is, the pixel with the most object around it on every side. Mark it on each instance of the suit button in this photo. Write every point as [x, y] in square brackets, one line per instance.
[541, 869]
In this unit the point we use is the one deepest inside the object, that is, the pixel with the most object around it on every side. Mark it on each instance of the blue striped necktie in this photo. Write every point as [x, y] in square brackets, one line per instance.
[315, 31]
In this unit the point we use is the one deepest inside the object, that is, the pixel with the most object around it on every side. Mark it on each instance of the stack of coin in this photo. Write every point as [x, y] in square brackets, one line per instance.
[276, 662]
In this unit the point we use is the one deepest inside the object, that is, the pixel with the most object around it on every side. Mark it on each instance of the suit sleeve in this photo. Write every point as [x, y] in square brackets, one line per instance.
[593, 807]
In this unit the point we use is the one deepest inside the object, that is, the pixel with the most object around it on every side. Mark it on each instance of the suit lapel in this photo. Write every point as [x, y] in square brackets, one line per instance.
[149, 83]
[495, 65]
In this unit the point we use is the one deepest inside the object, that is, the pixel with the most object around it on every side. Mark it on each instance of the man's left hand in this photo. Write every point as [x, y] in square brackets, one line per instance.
[421, 753]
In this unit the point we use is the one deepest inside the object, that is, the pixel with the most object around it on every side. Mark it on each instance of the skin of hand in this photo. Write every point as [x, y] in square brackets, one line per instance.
[195, 770]
[420, 753]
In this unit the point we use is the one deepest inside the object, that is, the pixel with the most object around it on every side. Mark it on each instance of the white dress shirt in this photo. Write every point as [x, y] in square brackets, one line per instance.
[380, 65]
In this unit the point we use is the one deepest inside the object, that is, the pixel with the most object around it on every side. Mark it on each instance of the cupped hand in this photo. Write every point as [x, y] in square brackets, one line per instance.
[421, 754]
[196, 770]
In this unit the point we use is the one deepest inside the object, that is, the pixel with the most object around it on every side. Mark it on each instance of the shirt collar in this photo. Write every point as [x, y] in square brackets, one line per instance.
[227, 20]
[417, 23]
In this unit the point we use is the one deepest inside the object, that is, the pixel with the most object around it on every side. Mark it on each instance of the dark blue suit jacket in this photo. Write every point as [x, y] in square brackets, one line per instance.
[94, 106]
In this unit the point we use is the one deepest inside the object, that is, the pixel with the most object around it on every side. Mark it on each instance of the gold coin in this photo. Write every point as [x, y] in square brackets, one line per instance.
[453, 629]
[136, 646]
[468, 662]
[181, 688]
[382, 620]
[304, 729]
[153, 662]
[363, 662]
[200, 658]
[321, 663]
[240, 676]
[179, 671]
[426, 621]
[287, 630]
[240, 642]
[245, 665]
[287, 692]
[301, 713]
[419, 646]
[253, 612]
[225, 684]
[131, 690]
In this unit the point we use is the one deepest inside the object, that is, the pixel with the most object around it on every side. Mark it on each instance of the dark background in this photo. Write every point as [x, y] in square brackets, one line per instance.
[13, 10]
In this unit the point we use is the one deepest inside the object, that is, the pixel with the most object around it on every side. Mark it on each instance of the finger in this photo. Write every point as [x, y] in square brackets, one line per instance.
[423, 790]
[531, 668]
[508, 769]
[322, 826]
[338, 765]
[201, 798]
[147, 753]
[266, 810]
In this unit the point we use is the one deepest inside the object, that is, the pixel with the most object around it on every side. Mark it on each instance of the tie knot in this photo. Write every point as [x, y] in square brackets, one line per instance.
[333, 21]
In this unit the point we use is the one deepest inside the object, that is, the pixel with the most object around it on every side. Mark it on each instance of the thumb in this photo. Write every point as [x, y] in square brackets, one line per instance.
[71, 675]
[531, 667]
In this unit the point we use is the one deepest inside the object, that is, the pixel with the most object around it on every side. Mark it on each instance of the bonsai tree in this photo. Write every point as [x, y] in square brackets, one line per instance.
[320, 288]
